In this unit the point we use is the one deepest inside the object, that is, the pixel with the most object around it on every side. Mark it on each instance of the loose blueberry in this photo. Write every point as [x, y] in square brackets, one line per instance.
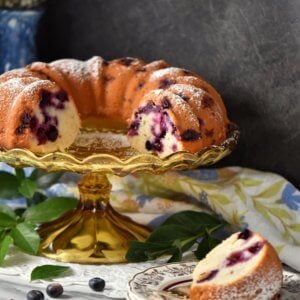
[54, 290]
[35, 295]
[97, 284]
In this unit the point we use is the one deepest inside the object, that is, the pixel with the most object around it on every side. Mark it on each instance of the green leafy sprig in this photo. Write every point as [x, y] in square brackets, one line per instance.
[46, 272]
[19, 227]
[177, 235]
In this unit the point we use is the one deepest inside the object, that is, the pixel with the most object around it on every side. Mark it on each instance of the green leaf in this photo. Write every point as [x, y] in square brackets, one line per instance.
[169, 233]
[196, 221]
[7, 210]
[38, 198]
[206, 245]
[26, 238]
[175, 236]
[2, 233]
[49, 210]
[20, 211]
[177, 254]
[143, 251]
[272, 190]
[6, 220]
[27, 188]
[20, 174]
[250, 182]
[8, 186]
[4, 246]
[48, 272]
[44, 179]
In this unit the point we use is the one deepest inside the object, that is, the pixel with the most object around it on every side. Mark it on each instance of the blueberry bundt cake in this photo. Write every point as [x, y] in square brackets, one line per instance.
[165, 109]
[244, 266]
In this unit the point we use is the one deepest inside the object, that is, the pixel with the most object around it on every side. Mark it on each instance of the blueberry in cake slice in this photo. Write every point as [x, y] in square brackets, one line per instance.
[244, 266]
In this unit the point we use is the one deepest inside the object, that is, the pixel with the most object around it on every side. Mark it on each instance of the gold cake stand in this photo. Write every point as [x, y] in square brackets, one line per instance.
[94, 232]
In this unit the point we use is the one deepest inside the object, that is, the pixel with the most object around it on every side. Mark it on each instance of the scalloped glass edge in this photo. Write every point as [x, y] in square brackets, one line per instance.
[112, 164]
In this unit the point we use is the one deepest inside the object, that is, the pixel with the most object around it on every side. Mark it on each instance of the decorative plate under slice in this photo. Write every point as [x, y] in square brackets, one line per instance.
[172, 281]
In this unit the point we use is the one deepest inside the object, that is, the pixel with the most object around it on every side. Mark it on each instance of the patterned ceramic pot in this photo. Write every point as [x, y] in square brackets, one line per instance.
[17, 37]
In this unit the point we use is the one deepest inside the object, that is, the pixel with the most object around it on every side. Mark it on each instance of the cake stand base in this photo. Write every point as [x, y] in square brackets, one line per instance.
[93, 232]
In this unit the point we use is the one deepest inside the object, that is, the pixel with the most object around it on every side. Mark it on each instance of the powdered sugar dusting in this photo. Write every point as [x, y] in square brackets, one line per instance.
[107, 140]
[15, 85]
[76, 68]
[195, 94]
[95, 65]
[183, 88]
[166, 72]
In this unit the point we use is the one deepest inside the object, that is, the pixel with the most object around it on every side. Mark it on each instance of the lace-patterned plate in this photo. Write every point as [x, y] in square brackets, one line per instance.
[172, 281]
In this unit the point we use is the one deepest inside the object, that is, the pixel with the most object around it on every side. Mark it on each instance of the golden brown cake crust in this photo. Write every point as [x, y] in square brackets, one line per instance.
[113, 90]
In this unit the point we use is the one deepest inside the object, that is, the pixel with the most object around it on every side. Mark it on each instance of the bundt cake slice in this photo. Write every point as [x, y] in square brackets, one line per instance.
[244, 266]
[163, 123]
[36, 114]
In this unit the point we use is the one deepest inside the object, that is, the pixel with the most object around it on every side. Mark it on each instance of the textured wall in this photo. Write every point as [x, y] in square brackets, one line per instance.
[249, 50]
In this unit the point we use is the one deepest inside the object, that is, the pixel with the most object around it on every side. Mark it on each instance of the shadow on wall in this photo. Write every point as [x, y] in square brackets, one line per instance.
[248, 50]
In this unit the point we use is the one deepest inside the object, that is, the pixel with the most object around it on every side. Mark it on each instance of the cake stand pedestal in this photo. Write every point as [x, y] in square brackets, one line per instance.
[94, 232]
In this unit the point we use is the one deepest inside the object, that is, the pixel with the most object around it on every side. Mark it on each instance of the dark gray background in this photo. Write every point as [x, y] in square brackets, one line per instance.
[249, 50]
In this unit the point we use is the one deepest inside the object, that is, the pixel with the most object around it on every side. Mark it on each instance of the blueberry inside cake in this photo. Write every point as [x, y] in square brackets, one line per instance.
[165, 109]
[164, 124]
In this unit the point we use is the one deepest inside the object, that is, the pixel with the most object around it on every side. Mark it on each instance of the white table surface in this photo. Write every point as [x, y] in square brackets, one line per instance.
[15, 278]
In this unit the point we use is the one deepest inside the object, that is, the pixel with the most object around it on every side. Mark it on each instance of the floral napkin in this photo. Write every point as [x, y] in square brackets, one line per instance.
[263, 202]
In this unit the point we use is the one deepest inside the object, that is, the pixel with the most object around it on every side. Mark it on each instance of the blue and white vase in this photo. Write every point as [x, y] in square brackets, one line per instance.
[17, 37]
